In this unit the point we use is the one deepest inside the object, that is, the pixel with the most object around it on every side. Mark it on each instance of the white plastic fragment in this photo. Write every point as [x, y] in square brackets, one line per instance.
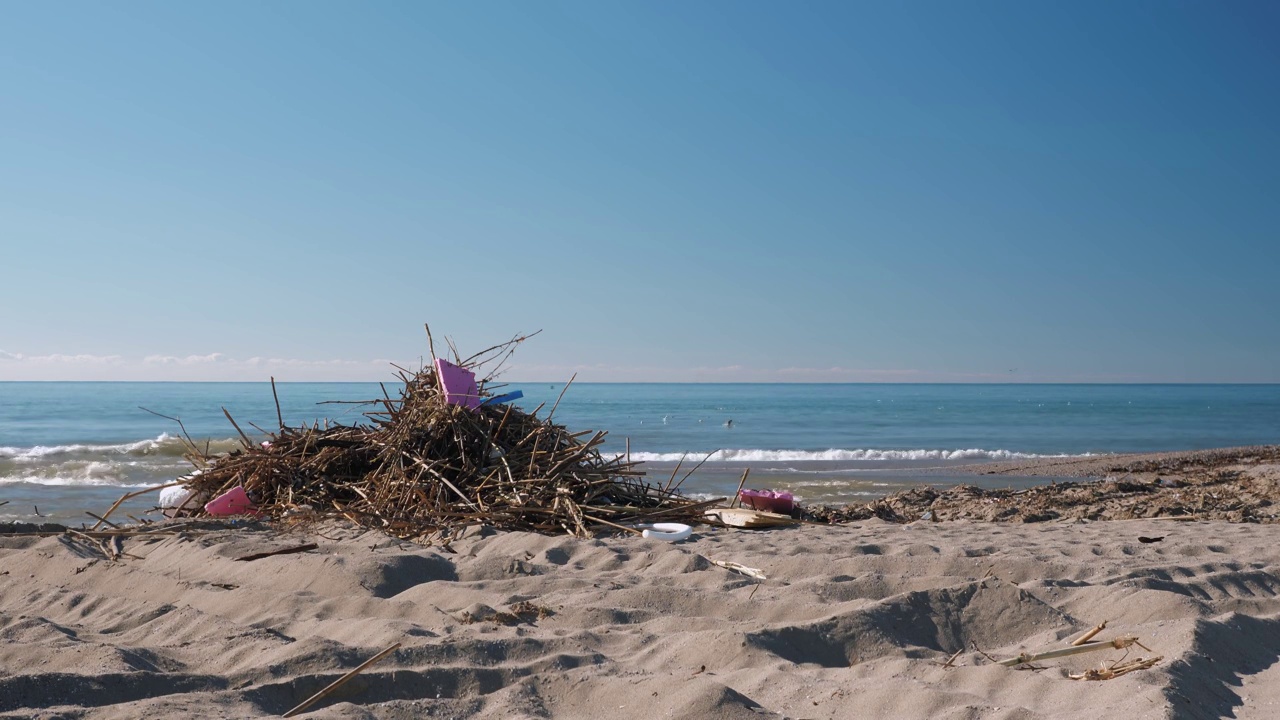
[669, 532]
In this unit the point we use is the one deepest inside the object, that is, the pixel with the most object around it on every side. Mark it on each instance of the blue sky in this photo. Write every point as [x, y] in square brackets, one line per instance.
[840, 191]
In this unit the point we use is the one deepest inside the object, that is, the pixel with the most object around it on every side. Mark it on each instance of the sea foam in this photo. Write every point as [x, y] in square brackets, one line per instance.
[163, 445]
[754, 455]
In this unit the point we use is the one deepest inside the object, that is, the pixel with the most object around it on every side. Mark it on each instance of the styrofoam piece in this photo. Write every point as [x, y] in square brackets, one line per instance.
[172, 497]
[458, 384]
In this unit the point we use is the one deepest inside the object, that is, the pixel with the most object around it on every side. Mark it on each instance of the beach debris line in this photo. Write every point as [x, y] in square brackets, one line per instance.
[439, 455]
[1214, 487]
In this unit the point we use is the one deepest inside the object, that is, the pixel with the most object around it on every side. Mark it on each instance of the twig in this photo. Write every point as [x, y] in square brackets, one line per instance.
[95, 543]
[735, 567]
[982, 652]
[340, 681]
[737, 495]
[101, 519]
[279, 416]
[694, 470]
[126, 496]
[633, 531]
[1119, 643]
[563, 390]
[951, 660]
[431, 344]
[190, 443]
[1088, 635]
[282, 551]
[674, 472]
[247, 442]
[1116, 670]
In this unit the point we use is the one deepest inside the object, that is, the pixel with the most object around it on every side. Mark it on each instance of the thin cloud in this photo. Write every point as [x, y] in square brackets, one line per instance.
[61, 359]
[214, 366]
[188, 360]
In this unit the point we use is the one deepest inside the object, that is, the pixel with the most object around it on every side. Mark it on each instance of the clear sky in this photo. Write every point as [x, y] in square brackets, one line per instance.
[758, 191]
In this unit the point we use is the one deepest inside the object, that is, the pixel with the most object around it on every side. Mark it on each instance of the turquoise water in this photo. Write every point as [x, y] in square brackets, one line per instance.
[67, 446]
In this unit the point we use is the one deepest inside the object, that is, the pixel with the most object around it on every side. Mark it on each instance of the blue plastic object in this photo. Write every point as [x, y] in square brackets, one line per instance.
[516, 395]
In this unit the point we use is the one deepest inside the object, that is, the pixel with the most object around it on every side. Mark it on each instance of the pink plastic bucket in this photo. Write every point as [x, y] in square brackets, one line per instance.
[768, 501]
[232, 502]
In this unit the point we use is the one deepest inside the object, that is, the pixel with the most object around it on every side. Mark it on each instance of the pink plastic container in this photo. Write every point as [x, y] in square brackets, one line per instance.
[768, 501]
[232, 502]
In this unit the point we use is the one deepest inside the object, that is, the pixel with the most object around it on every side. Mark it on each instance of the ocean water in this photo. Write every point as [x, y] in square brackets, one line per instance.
[70, 447]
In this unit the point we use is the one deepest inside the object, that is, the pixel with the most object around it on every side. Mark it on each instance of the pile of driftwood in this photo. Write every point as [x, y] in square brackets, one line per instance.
[418, 465]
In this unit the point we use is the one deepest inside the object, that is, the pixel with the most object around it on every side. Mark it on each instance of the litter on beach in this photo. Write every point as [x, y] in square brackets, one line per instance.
[768, 500]
[448, 452]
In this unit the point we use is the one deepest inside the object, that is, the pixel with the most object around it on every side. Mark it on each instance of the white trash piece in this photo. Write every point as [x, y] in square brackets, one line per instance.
[670, 532]
[172, 497]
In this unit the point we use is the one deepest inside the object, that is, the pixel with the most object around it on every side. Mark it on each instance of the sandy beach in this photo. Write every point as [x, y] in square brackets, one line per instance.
[854, 620]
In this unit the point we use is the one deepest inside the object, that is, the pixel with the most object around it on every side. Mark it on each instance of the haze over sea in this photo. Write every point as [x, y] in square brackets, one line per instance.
[69, 447]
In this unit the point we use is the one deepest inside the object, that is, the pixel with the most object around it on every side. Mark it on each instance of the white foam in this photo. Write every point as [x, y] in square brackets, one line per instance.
[165, 444]
[752, 455]
[65, 481]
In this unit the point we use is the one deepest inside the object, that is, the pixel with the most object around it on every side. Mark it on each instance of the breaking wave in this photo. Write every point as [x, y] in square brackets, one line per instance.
[165, 445]
[134, 464]
[872, 455]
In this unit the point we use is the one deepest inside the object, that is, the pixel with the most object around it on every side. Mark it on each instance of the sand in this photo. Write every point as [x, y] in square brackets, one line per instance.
[853, 621]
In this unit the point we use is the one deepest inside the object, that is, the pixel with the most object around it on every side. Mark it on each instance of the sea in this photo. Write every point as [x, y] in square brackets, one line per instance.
[71, 447]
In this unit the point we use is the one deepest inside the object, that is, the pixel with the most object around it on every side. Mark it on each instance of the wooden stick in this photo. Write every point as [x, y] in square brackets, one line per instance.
[737, 495]
[694, 470]
[1090, 633]
[340, 681]
[563, 390]
[1115, 671]
[283, 551]
[247, 442]
[190, 443]
[101, 519]
[279, 416]
[126, 496]
[92, 542]
[1119, 643]
[682, 509]
[612, 525]
[674, 472]
[735, 567]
